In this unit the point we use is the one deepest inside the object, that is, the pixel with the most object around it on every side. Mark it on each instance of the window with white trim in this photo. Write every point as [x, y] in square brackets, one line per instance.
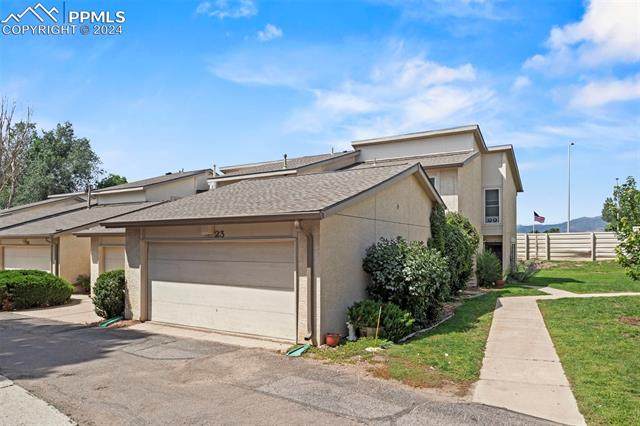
[491, 206]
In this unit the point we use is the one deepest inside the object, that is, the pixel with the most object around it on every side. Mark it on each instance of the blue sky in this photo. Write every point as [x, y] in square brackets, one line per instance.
[189, 84]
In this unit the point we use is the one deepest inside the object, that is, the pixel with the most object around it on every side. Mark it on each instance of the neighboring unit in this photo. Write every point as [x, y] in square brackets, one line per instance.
[473, 179]
[48, 235]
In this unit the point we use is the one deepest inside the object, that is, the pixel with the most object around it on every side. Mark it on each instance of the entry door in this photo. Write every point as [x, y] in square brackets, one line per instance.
[241, 286]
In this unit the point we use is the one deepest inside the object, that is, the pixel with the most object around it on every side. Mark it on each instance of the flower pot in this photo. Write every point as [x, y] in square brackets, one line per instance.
[332, 339]
[499, 283]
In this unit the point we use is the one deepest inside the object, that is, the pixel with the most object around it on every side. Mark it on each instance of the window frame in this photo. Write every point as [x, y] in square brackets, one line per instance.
[484, 206]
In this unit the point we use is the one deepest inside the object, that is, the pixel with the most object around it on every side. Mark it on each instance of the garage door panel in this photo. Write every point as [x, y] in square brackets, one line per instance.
[222, 296]
[113, 258]
[223, 251]
[274, 325]
[258, 274]
[243, 287]
[27, 257]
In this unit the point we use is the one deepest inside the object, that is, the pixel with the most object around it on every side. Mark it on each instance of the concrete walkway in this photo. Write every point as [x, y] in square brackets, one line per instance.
[521, 370]
[79, 310]
[19, 407]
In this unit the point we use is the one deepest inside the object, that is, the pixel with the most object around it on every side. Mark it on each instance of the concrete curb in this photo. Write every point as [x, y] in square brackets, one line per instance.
[20, 407]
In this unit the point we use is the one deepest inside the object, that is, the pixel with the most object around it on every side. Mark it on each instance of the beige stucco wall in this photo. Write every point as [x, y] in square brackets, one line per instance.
[425, 146]
[470, 198]
[400, 210]
[160, 192]
[75, 257]
[509, 215]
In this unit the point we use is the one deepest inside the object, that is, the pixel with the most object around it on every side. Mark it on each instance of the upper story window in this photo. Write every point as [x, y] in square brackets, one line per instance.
[492, 206]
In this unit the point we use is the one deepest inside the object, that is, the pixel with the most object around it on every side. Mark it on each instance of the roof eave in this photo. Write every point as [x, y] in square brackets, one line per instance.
[279, 217]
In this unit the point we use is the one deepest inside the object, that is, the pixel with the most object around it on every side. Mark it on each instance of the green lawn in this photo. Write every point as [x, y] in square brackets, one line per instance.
[585, 277]
[598, 341]
[448, 356]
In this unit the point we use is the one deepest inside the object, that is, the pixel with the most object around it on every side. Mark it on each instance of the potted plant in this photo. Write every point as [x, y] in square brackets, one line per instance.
[500, 282]
[332, 339]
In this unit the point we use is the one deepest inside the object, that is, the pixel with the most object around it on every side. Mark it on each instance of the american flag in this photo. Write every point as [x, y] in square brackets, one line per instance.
[538, 218]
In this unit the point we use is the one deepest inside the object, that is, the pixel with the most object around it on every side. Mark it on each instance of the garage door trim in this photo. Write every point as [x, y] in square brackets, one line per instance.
[147, 290]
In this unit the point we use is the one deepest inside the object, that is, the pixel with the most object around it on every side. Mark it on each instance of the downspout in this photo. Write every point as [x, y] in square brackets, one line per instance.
[310, 287]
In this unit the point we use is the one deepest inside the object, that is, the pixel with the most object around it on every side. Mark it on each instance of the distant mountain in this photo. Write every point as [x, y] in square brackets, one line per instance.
[582, 224]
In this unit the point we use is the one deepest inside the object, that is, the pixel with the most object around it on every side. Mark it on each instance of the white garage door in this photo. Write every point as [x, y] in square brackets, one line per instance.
[27, 257]
[242, 287]
[113, 258]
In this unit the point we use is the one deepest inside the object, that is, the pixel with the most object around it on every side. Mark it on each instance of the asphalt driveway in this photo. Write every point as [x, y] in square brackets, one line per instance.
[121, 377]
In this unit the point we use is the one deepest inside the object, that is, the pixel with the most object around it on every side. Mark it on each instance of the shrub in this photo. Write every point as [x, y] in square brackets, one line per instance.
[459, 253]
[488, 268]
[438, 221]
[3, 295]
[409, 275]
[456, 219]
[457, 239]
[108, 294]
[523, 271]
[84, 281]
[26, 288]
[395, 322]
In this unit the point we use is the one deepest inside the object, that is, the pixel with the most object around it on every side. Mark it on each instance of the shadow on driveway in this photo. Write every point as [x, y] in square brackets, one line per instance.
[120, 376]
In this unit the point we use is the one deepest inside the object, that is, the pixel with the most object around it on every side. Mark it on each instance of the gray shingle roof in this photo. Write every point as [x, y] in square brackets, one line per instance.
[151, 181]
[51, 201]
[72, 220]
[277, 165]
[28, 216]
[284, 196]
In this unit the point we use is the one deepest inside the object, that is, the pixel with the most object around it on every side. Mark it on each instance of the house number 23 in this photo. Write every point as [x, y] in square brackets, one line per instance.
[218, 234]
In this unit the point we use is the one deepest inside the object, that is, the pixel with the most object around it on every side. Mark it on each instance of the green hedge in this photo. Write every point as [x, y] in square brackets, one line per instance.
[28, 288]
[108, 294]
[408, 274]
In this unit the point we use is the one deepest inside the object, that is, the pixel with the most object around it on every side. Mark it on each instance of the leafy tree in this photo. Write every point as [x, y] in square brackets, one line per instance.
[57, 162]
[15, 138]
[552, 231]
[111, 180]
[623, 214]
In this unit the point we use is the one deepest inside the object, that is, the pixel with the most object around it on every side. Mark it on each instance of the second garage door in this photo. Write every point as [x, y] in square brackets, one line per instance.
[242, 287]
[27, 257]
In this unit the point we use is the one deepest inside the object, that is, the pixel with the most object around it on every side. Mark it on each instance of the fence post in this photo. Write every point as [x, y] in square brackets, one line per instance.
[526, 246]
[593, 246]
[548, 246]
[536, 237]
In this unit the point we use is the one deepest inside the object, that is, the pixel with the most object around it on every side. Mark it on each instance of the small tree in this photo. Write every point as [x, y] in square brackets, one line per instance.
[111, 180]
[438, 232]
[623, 214]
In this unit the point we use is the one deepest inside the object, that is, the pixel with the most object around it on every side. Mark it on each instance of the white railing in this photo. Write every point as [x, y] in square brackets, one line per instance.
[568, 246]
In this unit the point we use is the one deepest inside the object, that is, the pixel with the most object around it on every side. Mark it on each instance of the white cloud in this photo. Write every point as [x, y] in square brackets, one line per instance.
[228, 8]
[398, 96]
[520, 83]
[269, 32]
[607, 33]
[599, 93]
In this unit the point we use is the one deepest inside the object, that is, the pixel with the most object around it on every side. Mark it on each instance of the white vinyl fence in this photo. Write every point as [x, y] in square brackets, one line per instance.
[568, 246]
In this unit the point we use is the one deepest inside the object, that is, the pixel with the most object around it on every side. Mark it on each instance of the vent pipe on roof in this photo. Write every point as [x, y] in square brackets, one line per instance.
[284, 162]
[213, 170]
[88, 196]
